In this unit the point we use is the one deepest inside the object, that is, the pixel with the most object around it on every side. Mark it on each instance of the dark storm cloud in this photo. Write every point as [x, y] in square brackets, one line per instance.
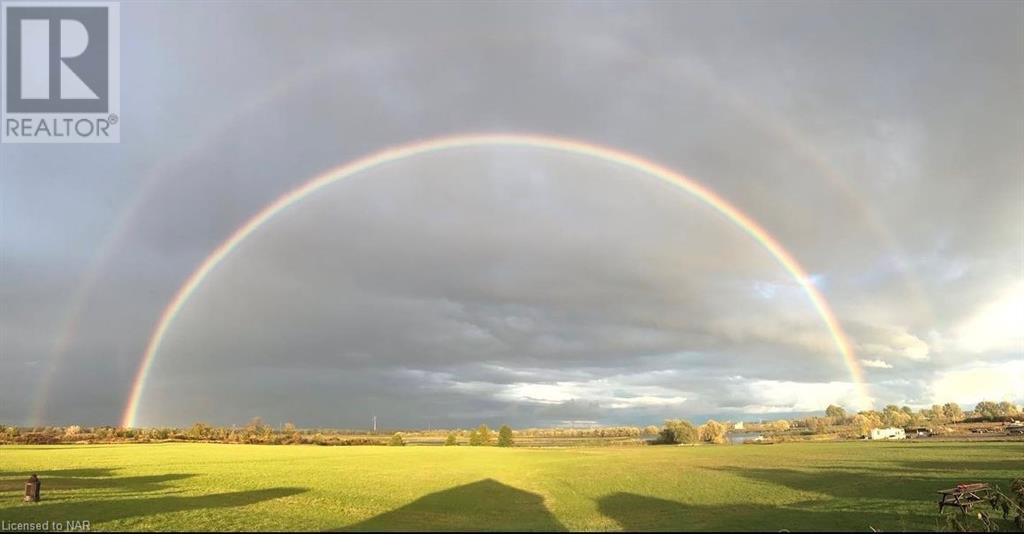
[880, 145]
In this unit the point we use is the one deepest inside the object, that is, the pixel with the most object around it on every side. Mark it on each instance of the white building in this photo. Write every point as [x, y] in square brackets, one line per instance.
[738, 426]
[888, 433]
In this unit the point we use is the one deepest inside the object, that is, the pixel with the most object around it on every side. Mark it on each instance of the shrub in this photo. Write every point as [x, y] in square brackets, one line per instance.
[396, 440]
[712, 432]
[451, 440]
[677, 431]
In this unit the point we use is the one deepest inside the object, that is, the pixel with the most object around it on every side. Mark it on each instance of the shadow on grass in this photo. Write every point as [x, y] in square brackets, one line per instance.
[637, 513]
[102, 511]
[854, 484]
[89, 472]
[482, 505]
[71, 479]
[1014, 466]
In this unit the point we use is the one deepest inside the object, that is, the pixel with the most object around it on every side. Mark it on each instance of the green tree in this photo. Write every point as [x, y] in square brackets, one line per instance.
[677, 431]
[504, 436]
[474, 439]
[451, 440]
[987, 409]
[712, 432]
[397, 440]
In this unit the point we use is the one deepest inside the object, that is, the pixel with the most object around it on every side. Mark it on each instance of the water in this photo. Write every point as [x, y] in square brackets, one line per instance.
[740, 437]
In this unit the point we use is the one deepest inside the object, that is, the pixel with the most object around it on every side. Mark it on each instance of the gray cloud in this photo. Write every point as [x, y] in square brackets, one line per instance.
[880, 145]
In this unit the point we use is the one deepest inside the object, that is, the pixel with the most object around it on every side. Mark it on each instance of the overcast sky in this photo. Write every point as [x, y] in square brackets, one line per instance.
[880, 143]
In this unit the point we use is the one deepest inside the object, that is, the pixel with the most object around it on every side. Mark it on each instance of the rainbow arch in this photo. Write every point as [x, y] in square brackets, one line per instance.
[439, 144]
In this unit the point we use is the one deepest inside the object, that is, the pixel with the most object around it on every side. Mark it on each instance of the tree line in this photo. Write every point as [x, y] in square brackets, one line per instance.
[836, 420]
[478, 437]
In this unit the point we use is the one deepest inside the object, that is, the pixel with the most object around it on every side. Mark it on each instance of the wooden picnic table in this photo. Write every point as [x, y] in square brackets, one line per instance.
[964, 496]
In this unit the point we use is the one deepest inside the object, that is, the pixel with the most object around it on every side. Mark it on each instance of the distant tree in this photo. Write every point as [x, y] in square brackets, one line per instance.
[451, 439]
[712, 432]
[504, 436]
[987, 409]
[288, 428]
[781, 425]
[816, 425]
[199, 431]
[865, 422]
[1007, 408]
[397, 440]
[474, 439]
[650, 430]
[952, 411]
[836, 413]
[72, 431]
[677, 431]
[893, 415]
[256, 428]
[486, 436]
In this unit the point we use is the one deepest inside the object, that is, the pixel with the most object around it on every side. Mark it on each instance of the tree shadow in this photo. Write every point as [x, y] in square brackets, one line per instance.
[84, 473]
[857, 484]
[102, 511]
[482, 505]
[1012, 465]
[54, 482]
[637, 513]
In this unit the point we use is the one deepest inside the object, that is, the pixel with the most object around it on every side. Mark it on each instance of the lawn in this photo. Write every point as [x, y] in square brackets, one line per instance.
[796, 486]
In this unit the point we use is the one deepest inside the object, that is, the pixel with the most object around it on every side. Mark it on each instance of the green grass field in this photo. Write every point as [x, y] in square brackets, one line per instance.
[798, 486]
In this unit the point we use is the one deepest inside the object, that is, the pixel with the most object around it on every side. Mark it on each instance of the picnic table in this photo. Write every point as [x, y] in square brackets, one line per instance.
[964, 496]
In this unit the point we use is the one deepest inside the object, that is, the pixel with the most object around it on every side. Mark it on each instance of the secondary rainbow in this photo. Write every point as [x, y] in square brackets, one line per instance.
[439, 144]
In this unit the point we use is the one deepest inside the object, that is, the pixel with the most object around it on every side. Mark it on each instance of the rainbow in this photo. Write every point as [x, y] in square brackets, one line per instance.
[439, 144]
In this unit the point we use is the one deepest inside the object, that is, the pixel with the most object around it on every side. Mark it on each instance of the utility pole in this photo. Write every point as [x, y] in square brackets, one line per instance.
[375, 424]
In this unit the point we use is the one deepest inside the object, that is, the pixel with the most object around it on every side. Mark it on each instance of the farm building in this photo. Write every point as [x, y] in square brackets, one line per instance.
[918, 432]
[888, 433]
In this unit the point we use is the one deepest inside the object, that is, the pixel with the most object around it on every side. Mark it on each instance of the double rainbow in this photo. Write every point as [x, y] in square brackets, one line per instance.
[440, 144]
